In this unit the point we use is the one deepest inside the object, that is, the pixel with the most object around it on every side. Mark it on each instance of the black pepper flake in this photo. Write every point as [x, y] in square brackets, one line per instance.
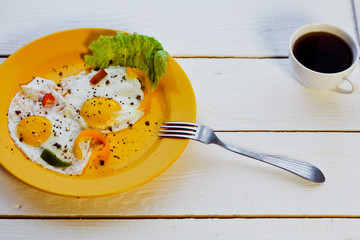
[110, 129]
[60, 74]
[138, 97]
[17, 112]
[21, 139]
[102, 162]
[116, 156]
[147, 123]
[107, 82]
[57, 145]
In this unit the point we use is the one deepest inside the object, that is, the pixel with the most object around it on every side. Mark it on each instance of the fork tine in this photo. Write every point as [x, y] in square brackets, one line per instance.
[188, 133]
[180, 127]
[181, 123]
[176, 136]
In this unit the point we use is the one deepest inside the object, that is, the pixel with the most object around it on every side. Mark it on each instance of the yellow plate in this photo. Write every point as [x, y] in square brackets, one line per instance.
[139, 155]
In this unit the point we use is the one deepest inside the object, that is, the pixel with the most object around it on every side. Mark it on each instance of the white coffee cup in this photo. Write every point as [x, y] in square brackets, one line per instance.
[319, 80]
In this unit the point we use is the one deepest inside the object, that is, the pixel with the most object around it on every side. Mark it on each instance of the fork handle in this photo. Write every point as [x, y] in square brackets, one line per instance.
[300, 168]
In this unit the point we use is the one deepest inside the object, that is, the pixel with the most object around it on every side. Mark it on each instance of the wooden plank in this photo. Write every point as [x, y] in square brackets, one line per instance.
[214, 28]
[263, 94]
[270, 229]
[209, 181]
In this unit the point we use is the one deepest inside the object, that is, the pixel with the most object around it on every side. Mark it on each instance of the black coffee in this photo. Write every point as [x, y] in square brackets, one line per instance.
[323, 52]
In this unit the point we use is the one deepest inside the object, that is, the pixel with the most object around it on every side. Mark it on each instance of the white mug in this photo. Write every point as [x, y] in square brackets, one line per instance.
[319, 80]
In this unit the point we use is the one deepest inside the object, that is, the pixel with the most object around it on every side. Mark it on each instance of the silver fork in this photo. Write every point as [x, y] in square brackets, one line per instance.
[206, 135]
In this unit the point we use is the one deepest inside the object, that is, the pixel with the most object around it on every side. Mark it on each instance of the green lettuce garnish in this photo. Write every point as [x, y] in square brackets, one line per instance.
[135, 50]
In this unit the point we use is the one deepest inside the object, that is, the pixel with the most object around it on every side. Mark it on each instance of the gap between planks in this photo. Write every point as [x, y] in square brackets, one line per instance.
[291, 131]
[356, 18]
[213, 57]
[177, 217]
[221, 57]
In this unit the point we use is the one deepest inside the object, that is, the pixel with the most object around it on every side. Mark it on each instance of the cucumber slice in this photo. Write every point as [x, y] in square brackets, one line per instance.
[50, 157]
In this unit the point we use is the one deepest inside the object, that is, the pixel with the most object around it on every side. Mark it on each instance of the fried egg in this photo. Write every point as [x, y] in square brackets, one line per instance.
[110, 105]
[34, 127]
[68, 120]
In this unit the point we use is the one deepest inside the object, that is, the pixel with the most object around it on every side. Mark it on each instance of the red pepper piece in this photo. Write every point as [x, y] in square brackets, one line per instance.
[98, 76]
[48, 99]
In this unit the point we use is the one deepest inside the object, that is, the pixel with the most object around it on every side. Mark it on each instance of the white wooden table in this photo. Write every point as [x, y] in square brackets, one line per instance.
[235, 54]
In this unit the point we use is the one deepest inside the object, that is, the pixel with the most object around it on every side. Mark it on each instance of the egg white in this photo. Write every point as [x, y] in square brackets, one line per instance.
[117, 85]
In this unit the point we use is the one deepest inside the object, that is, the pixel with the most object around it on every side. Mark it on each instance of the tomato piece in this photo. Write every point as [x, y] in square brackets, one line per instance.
[98, 77]
[48, 99]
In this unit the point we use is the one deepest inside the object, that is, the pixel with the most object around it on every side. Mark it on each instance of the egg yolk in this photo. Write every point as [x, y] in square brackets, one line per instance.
[98, 112]
[34, 130]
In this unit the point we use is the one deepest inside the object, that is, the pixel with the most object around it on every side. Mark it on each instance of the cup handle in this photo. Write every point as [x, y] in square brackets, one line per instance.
[341, 90]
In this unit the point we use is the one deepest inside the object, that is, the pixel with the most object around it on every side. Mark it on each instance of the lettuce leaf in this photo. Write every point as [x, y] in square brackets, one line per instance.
[135, 50]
